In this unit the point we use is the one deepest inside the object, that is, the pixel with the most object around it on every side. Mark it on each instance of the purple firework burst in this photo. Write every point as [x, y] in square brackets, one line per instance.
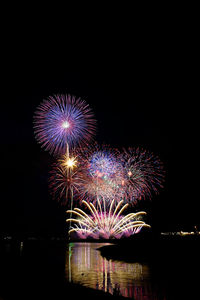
[63, 120]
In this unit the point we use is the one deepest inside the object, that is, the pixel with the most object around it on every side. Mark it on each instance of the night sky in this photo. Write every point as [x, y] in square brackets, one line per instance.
[143, 93]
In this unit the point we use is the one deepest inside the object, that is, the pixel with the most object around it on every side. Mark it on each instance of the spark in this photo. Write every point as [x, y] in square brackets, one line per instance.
[105, 224]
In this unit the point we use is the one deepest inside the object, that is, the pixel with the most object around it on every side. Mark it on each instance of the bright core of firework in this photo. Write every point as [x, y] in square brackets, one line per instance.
[70, 162]
[65, 125]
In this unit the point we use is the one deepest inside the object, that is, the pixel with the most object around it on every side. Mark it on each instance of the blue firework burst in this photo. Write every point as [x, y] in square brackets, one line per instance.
[63, 120]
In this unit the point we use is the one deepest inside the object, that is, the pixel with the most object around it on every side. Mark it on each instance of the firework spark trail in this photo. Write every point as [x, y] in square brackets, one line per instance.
[103, 224]
[63, 120]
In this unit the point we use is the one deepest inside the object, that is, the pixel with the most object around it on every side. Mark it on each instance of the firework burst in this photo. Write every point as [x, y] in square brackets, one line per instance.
[106, 224]
[64, 181]
[144, 174]
[102, 173]
[61, 121]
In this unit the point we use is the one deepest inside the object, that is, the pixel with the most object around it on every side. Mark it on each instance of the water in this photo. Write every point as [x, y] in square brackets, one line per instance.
[86, 266]
[54, 269]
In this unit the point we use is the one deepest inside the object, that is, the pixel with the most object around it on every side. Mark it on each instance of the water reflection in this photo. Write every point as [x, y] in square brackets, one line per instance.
[86, 266]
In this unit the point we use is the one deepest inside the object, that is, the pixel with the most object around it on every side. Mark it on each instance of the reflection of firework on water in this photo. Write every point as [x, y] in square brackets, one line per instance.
[102, 223]
[62, 120]
[111, 276]
[144, 174]
[102, 173]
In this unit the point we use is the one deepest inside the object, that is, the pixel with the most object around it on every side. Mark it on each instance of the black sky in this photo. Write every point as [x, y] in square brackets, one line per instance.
[143, 91]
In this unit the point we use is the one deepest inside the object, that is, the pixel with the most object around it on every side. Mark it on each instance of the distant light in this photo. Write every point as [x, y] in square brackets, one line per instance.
[65, 125]
[129, 173]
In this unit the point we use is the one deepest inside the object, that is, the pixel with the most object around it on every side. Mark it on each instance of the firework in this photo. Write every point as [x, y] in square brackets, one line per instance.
[61, 121]
[102, 174]
[103, 163]
[64, 181]
[144, 174]
[107, 224]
